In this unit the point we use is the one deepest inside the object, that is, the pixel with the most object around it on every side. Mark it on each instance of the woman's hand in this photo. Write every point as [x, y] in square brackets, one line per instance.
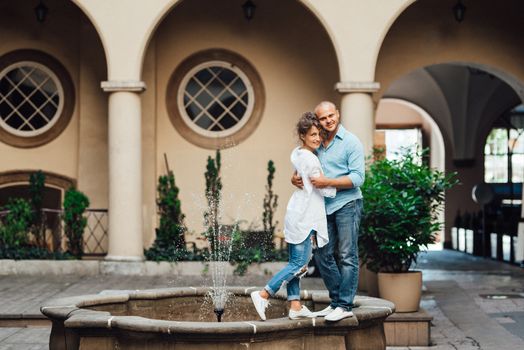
[296, 180]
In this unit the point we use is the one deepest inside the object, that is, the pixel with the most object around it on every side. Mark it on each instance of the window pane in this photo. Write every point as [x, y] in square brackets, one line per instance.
[400, 140]
[497, 142]
[495, 169]
[518, 167]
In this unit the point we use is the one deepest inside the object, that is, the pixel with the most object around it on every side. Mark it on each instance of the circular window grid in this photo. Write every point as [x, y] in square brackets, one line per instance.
[37, 96]
[215, 99]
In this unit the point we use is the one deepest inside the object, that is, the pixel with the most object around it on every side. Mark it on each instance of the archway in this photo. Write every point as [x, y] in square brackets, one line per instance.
[286, 64]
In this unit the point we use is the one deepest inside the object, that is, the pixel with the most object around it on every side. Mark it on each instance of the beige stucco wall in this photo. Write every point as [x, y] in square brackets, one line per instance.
[20, 30]
[80, 151]
[426, 33]
[287, 59]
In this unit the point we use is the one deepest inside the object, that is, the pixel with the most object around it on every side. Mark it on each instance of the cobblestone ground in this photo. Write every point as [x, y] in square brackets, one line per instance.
[475, 303]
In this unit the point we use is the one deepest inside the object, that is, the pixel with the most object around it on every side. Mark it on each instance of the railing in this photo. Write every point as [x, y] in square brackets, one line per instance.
[499, 243]
[95, 233]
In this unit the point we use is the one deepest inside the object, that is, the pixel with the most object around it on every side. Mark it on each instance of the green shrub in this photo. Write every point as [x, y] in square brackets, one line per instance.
[36, 192]
[75, 204]
[402, 200]
[213, 196]
[170, 244]
[15, 225]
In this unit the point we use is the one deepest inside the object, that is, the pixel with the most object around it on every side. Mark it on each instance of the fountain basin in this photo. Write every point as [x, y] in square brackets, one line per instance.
[182, 318]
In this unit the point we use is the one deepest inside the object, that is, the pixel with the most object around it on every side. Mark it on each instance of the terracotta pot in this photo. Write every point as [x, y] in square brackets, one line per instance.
[371, 283]
[403, 289]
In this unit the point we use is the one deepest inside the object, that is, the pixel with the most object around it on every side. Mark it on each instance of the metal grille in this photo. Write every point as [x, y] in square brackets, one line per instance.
[29, 99]
[95, 234]
[216, 98]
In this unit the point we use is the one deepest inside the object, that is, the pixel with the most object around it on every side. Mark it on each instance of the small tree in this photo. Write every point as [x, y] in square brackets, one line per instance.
[36, 191]
[270, 206]
[171, 229]
[213, 196]
[15, 224]
[75, 204]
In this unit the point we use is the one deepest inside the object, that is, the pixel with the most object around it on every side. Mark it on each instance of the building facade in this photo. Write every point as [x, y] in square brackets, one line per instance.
[102, 94]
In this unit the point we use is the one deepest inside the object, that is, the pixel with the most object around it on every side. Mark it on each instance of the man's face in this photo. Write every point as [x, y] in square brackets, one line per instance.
[328, 117]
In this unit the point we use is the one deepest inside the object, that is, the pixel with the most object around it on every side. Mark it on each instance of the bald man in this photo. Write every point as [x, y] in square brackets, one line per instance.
[342, 157]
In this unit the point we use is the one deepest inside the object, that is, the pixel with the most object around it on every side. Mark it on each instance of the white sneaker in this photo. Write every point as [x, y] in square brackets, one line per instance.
[260, 304]
[303, 313]
[338, 314]
[324, 312]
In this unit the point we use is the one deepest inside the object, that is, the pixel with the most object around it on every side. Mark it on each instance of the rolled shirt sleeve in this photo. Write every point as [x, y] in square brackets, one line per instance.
[356, 164]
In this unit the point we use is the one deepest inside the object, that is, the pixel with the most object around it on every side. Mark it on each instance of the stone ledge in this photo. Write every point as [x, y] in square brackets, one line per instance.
[144, 268]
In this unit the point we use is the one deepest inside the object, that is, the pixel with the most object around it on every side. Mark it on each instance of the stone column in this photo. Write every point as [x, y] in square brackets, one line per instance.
[125, 170]
[357, 110]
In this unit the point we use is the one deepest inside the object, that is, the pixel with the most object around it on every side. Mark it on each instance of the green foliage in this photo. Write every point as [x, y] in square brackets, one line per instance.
[16, 223]
[170, 243]
[36, 191]
[270, 204]
[171, 227]
[32, 252]
[248, 249]
[75, 204]
[402, 200]
[213, 197]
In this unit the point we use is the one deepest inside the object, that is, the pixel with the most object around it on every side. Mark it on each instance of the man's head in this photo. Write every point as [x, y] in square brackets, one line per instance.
[328, 116]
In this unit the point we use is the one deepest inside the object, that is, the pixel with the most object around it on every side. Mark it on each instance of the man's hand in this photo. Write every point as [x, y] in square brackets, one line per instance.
[320, 182]
[297, 180]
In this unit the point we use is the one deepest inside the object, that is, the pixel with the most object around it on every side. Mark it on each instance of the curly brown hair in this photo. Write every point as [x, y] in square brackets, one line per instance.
[306, 121]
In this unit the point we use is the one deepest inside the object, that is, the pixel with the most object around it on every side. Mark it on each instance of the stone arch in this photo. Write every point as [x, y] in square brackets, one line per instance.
[171, 4]
[93, 20]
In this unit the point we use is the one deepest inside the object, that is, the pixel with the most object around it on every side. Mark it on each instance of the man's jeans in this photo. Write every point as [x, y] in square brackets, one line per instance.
[341, 280]
[299, 256]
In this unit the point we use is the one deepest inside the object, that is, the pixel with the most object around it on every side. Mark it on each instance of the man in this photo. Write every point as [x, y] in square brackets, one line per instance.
[342, 157]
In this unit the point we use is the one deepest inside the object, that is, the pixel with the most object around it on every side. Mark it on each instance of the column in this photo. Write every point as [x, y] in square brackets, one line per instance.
[357, 110]
[125, 170]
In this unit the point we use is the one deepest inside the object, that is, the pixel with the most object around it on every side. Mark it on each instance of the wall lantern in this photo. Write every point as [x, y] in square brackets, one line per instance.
[41, 12]
[459, 10]
[249, 9]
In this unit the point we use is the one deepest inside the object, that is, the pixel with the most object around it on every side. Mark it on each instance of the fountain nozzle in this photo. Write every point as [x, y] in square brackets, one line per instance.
[219, 313]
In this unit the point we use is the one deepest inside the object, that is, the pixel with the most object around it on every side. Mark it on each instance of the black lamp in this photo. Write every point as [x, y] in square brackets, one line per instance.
[41, 12]
[249, 9]
[459, 10]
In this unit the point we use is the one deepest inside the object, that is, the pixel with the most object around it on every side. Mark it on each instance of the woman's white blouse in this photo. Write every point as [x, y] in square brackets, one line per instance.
[306, 209]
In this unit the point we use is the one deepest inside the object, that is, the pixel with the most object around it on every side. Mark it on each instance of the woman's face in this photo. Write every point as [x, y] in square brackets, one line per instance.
[311, 139]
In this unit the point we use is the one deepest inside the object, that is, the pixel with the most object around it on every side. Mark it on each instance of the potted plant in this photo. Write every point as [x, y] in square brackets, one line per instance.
[402, 200]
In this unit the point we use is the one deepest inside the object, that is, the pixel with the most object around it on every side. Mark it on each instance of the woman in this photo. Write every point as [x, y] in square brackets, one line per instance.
[305, 224]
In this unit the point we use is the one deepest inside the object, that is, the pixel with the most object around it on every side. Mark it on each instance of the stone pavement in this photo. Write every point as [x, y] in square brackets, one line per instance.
[475, 303]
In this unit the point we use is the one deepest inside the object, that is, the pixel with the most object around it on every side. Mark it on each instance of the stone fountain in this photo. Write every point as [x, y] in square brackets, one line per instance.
[174, 319]
[182, 318]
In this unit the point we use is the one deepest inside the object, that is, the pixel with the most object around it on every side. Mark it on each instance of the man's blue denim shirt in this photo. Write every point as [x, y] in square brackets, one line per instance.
[344, 156]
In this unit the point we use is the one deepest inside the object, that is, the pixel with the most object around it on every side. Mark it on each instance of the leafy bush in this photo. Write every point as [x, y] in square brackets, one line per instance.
[36, 192]
[15, 225]
[75, 204]
[170, 244]
[213, 196]
[402, 200]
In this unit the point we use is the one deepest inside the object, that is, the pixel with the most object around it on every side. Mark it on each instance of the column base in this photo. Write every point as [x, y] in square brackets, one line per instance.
[121, 258]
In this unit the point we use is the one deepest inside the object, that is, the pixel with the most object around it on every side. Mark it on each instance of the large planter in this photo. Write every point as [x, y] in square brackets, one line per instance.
[403, 289]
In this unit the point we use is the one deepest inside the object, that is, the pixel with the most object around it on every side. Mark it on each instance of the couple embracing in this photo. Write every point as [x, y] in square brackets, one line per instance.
[322, 216]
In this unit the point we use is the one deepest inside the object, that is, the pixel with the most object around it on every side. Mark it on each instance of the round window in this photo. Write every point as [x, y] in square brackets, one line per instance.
[36, 98]
[219, 99]
[31, 99]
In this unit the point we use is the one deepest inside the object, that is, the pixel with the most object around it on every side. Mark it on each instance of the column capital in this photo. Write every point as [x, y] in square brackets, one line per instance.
[123, 85]
[345, 87]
